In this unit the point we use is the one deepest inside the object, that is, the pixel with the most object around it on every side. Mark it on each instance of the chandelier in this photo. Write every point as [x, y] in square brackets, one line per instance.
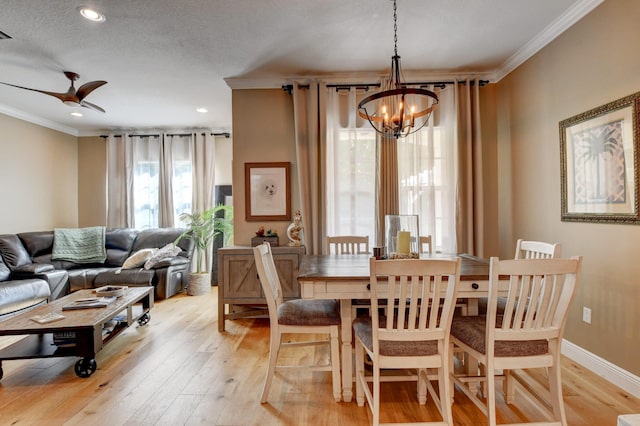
[397, 110]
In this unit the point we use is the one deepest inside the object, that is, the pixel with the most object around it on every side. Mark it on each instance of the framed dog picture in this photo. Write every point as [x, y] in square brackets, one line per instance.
[267, 191]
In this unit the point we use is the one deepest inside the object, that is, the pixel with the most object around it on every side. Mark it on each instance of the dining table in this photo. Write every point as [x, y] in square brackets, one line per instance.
[346, 278]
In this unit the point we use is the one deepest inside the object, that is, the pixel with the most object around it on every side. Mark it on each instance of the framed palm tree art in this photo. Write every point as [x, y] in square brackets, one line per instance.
[599, 163]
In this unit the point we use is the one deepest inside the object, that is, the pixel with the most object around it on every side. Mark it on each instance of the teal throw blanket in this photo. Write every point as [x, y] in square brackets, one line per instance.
[79, 245]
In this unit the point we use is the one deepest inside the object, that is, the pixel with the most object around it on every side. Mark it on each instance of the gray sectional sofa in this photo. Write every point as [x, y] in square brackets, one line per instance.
[29, 275]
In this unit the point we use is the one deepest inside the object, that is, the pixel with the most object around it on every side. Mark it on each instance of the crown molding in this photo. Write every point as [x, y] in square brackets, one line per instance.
[12, 112]
[572, 15]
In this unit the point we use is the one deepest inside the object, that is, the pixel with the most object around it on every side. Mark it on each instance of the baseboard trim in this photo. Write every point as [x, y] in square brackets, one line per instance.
[603, 368]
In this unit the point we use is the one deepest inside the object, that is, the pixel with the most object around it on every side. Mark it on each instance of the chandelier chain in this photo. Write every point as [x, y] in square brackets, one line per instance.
[397, 110]
[395, 28]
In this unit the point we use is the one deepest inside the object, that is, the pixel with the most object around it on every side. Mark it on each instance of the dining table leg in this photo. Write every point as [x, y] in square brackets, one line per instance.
[347, 350]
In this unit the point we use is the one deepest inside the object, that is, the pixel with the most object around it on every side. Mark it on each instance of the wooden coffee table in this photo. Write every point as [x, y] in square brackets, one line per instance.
[87, 324]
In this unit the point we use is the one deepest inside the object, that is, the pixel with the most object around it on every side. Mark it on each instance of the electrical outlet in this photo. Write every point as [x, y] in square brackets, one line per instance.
[586, 314]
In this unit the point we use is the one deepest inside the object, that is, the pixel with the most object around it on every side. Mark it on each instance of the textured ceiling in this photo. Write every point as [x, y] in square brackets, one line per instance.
[164, 58]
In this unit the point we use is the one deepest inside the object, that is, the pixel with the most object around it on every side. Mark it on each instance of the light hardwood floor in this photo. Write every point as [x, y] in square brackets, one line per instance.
[179, 370]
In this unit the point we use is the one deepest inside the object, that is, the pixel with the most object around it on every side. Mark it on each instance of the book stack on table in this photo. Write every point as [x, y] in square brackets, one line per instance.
[64, 339]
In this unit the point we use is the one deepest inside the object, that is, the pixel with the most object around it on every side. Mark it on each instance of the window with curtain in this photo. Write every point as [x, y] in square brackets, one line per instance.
[427, 175]
[351, 169]
[151, 179]
[146, 180]
[148, 165]
[427, 185]
[426, 172]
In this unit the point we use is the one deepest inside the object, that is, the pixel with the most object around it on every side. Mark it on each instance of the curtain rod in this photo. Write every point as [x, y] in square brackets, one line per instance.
[225, 134]
[365, 86]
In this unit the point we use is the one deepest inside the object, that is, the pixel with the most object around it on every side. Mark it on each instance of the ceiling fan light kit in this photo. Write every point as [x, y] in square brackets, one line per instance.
[397, 110]
[72, 97]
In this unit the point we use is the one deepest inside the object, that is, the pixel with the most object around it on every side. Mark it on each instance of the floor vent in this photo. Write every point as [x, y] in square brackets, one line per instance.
[4, 36]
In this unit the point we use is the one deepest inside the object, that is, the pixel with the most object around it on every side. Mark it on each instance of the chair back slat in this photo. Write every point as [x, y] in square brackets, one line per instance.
[538, 299]
[422, 293]
[348, 244]
[537, 250]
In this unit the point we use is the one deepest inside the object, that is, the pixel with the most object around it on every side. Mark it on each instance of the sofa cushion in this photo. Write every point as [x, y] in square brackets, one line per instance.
[39, 243]
[35, 268]
[13, 252]
[5, 272]
[119, 244]
[21, 294]
[139, 258]
[82, 278]
[136, 276]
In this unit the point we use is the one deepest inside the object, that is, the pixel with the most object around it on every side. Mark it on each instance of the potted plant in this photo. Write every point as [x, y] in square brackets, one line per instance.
[202, 228]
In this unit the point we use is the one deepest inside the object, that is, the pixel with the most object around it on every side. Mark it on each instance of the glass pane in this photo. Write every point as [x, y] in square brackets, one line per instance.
[145, 194]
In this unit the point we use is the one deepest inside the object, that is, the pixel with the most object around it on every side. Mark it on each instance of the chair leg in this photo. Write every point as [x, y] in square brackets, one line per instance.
[555, 388]
[508, 387]
[335, 364]
[491, 394]
[359, 373]
[445, 387]
[450, 382]
[422, 386]
[274, 349]
[376, 396]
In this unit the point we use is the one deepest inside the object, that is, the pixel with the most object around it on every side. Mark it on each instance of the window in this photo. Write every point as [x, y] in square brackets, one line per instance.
[351, 162]
[426, 176]
[145, 194]
[148, 174]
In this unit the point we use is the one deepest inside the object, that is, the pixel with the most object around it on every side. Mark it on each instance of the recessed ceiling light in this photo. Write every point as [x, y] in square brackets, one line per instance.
[76, 114]
[92, 14]
[202, 110]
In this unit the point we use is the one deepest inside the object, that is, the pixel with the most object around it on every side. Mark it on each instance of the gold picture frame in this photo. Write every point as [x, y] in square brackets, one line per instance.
[267, 191]
[599, 164]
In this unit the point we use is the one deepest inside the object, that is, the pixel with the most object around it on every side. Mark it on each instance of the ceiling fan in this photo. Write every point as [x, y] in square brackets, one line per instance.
[72, 97]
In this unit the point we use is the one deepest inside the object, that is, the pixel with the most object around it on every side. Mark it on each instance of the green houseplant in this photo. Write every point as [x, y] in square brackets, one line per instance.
[202, 228]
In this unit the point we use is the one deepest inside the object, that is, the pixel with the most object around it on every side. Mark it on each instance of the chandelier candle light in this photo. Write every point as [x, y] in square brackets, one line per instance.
[397, 110]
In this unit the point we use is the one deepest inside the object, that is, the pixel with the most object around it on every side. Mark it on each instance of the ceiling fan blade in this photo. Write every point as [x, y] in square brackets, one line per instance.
[85, 89]
[61, 96]
[91, 106]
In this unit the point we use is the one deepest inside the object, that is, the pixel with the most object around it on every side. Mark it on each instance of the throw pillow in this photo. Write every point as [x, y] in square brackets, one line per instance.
[170, 250]
[138, 258]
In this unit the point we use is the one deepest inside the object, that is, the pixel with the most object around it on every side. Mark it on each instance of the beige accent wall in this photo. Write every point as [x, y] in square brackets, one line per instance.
[38, 177]
[593, 63]
[92, 183]
[262, 132]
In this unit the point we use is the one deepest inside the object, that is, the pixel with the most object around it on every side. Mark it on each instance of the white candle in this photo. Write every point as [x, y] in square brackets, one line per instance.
[403, 239]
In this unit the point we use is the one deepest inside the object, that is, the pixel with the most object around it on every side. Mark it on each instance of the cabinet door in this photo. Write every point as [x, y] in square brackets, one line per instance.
[287, 267]
[241, 277]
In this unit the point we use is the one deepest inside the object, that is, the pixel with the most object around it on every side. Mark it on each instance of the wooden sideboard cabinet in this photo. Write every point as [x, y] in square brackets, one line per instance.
[239, 285]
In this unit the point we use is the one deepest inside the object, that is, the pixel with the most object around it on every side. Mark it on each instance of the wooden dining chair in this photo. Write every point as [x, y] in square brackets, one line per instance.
[348, 244]
[527, 335]
[414, 336]
[537, 250]
[296, 316]
[526, 249]
[426, 240]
